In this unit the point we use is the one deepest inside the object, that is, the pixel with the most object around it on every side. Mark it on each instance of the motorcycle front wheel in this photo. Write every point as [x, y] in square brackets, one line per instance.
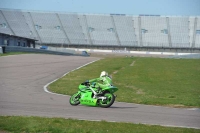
[74, 99]
[110, 98]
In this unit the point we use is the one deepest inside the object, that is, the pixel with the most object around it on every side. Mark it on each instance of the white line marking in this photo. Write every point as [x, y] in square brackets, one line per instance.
[193, 109]
[46, 90]
[45, 87]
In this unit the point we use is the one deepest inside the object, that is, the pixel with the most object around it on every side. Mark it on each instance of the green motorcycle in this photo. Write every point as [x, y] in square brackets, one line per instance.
[91, 96]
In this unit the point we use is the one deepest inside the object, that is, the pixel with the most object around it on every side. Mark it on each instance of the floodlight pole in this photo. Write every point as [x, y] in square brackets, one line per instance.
[34, 28]
[169, 33]
[140, 31]
[194, 33]
[88, 30]
[65, 33]
[116, 34]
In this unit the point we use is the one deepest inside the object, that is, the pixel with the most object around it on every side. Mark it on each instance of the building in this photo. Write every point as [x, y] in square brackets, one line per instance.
[13, 40]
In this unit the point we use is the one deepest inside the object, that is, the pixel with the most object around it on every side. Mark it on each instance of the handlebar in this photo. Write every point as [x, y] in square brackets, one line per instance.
[88, 83]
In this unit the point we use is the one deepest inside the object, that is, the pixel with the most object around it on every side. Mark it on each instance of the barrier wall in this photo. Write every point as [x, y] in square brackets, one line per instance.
[133, 52]
[1, 50]
[33, 50]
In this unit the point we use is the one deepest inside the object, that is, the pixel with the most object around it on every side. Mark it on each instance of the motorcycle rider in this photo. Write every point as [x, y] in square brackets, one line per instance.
[104, 78]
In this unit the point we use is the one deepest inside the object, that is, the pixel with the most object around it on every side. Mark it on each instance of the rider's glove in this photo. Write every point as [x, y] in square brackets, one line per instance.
[93, 84]
[87, 81]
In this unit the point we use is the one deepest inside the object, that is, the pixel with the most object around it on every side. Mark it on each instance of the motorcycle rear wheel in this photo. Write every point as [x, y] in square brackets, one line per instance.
[110, 98]
[74, 99]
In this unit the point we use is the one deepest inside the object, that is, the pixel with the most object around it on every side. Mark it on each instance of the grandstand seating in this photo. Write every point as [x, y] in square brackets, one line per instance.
[84, 26]
[102, 30]
[48, 28]
[154, 31]
[30, 23]
[137, 29]
[179, 30]
[17, 23]
[125, 30]
[197, 39]
[73, 28]
[191, 30]
[4, 28]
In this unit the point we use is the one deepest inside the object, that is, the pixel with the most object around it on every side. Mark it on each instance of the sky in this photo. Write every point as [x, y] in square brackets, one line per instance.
[132, 7]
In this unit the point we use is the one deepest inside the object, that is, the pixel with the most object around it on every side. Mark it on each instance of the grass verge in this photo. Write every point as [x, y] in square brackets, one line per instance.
[20, 124]
[154, 81]
[13, 53]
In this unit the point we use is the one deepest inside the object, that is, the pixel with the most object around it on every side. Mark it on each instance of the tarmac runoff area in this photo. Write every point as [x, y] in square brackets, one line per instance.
[24, 77]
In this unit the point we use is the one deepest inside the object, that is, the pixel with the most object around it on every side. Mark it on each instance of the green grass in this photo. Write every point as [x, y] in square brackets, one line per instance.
[19, 124]
[13, 53]
[154, 81]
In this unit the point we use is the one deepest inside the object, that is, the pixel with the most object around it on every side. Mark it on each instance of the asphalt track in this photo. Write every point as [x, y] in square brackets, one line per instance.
[23, 77]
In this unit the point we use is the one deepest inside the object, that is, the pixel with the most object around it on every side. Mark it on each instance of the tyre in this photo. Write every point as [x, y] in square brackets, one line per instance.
[110, 98]
[74, 99]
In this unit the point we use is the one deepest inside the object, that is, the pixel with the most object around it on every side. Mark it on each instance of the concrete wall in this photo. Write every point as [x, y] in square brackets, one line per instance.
[33, 50]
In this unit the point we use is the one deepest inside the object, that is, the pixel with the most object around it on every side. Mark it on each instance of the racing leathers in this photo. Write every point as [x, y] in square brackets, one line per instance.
[101, 82]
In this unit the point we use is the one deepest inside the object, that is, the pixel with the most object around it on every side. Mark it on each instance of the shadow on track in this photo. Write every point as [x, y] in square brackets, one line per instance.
[115, 107]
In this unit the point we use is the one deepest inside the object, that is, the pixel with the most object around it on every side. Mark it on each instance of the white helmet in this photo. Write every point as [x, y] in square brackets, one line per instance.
[103, 73]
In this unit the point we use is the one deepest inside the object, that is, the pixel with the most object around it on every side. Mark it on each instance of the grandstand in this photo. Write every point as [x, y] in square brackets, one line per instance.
[103, 30]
